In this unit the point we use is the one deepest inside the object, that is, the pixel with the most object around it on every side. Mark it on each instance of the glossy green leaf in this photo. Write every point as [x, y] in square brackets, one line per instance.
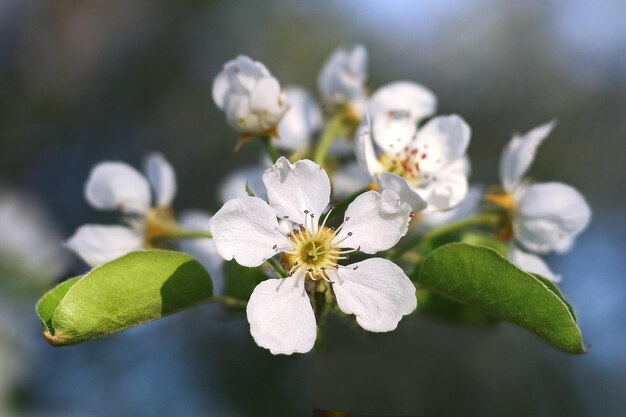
[482, 278]
[131, 290]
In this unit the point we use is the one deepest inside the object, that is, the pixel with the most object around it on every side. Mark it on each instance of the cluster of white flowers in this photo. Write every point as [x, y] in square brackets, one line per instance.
[407, 164]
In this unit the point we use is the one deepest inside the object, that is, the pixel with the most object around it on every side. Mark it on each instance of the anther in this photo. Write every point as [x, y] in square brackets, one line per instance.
[274, 247]
[356, 267]
[349, 233]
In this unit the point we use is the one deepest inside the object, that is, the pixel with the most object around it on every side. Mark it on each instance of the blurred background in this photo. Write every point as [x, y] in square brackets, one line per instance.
[83, 81]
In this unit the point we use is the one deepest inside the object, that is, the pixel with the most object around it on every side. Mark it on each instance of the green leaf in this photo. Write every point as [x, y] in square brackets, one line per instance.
[240, 281]
[482, 278]
[131, 290]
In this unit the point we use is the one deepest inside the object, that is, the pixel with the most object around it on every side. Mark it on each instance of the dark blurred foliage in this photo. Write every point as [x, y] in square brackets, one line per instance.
[83, 81]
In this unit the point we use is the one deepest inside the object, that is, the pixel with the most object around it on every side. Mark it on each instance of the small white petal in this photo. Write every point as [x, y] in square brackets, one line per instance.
[234, 185]
[377, 292]
[302, 119]
[469, 206]
[442, 141]
[246, 229]
[414, 101]
[374, 221]
[281, 317]
[349, 179]
[531, 263]
[549, 216]
[294, 188]
[388, 181]
[116, 185]
[162, 178]
[444, 190]
[202, 249]
[519, 154]
[364, 149]
[98, 244]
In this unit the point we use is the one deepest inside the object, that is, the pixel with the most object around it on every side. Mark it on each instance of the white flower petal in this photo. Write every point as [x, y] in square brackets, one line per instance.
[349, 179]
[520, 153]
[549, 216]
[98, 244]
[413, 100]
[376, 291]
[302, 119]
[531, 263]
[374, 221]
[203, 250]
[246, 229]
[442, 141]
[467, 207]
[116, 185]
[162, 178]
[364, 149]
[393, 131]
[388, 181]
[266, 97]
[234, 185]
[294, 188]
[445, 190]
[281, 317]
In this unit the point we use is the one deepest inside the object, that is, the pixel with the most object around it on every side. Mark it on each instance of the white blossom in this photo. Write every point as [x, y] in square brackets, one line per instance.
[250, 96]
[422, 166]
[342, 78]
[145, 204]
[279, 311]
[546, 217]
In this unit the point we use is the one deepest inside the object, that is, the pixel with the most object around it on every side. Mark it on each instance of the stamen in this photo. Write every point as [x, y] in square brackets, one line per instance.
[326, 217]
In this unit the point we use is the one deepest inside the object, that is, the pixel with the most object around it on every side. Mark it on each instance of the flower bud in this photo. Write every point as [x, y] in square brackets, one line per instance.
[250, 96]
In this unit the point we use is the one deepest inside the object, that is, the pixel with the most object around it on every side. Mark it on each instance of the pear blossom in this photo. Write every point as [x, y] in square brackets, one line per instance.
[342, 79]
[144, 202]
[544, 217]
[419, 165]
[279, 311]
[301, 121]
[250, 96]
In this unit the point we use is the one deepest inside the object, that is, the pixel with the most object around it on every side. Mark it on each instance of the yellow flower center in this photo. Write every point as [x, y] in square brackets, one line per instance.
[159, 222]
[405, 164]
[314, 253]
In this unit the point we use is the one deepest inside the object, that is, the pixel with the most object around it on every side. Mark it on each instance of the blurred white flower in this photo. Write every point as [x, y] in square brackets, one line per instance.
[279, 311]
[250, 96]
[301, 121]
[30, 242]
[342, 79]
[543, 217]
[148, 215]
[425, 166]
[546, 217]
